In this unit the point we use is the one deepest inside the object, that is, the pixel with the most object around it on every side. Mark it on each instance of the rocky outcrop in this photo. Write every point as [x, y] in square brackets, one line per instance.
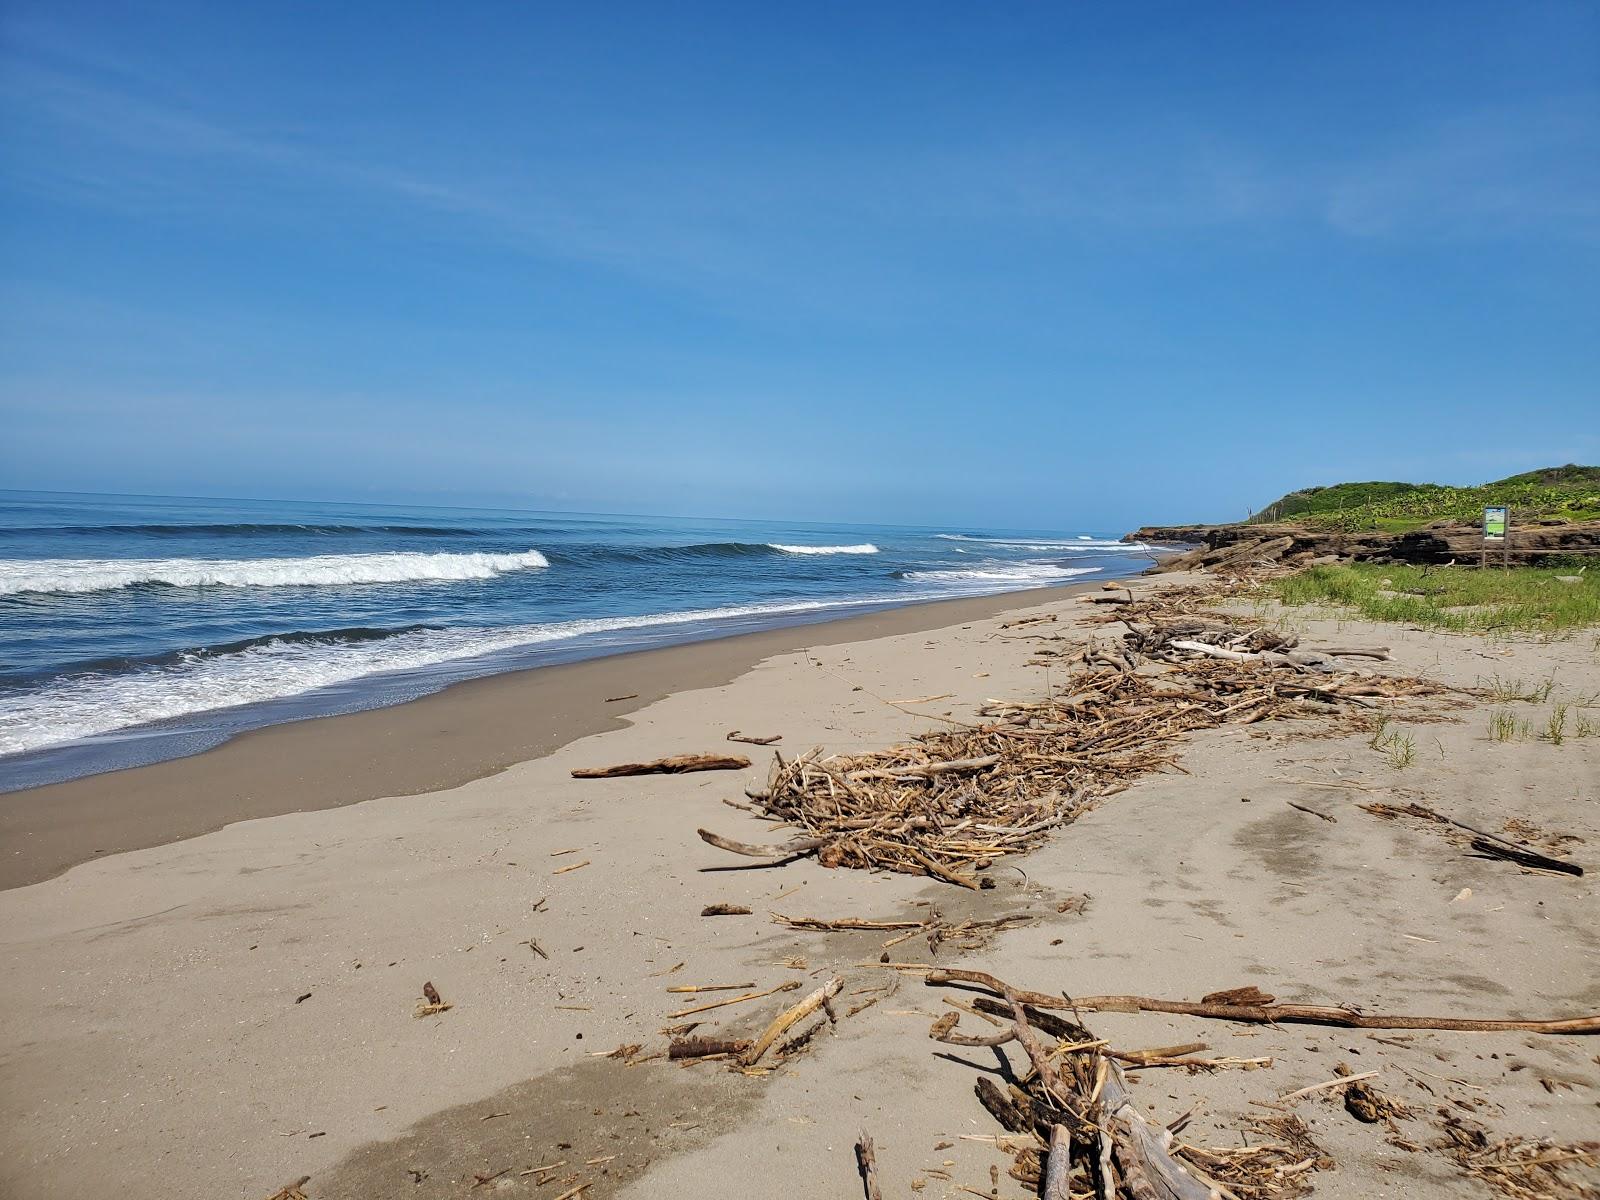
[1227, 546]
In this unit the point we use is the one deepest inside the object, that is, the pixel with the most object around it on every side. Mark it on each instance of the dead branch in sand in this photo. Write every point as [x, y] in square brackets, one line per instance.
[785, 1020]
[1491, 844]
[736, 736]
[1265, 1010]
[867, 1164]
[676, 764]
[706, 1047]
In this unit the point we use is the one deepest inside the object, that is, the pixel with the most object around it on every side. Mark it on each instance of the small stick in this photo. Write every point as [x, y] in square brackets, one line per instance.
[573, 867]
[867, 1164]
[790, 986]
[1312, 811]
[736, 736]
[844, 923]
[1324, 1085]
[711, 987]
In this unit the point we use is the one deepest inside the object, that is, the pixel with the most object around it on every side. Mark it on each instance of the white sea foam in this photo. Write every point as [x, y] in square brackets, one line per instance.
[863, 548]
[1001, 573]
[89, 705]
[1082, 542]
[69, 575]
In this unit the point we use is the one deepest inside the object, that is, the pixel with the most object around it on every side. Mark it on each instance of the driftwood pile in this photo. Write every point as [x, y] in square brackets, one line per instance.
[1074, 1130]
[950, 802]
[1078, 1131]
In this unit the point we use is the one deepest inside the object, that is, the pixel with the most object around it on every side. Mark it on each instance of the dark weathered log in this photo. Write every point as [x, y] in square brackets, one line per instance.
[1499, 848]
[677, 764]
[1266, 1014]
[705, 1047]
[724, 910]
[1002, 1107]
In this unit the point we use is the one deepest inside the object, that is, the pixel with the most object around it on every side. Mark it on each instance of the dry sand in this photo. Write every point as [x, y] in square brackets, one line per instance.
[216, 1016]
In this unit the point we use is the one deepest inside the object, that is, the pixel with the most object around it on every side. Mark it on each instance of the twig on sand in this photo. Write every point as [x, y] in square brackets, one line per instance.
[791, 985]
[1342, 1081]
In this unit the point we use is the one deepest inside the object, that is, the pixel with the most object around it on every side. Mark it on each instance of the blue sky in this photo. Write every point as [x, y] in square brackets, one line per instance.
[1023, 265]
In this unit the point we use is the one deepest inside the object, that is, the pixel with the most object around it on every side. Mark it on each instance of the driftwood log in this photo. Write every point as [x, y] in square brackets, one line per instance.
[676, 764]
[706, 1047]
[785, 1020]
[1264, 1013]
[867, 1164]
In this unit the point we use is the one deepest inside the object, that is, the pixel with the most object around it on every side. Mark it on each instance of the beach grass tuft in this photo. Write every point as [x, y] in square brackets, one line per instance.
[1459, 599]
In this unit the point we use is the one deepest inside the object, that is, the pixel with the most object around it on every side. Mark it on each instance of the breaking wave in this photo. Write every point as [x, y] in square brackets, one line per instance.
[1000, 573]
[91, 703]
[863, 548]
[57, 576]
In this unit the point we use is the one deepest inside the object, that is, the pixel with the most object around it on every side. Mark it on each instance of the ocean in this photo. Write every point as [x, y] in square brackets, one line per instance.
[135, 629]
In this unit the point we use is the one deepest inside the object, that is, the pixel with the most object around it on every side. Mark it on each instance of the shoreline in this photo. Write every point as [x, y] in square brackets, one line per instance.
[465, 731]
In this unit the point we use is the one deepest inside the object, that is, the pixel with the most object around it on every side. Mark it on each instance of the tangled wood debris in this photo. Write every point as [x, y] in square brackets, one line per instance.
[1088, 1137]
[953, 800]
[1521, 1169]
[1080, 1133]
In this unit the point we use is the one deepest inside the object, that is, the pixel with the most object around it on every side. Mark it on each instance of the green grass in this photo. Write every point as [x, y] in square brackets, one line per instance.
[1462, 599]
[1571, 493]
[1505, 727]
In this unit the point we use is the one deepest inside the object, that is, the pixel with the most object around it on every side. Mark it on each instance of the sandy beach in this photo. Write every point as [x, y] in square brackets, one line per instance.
[213, 964]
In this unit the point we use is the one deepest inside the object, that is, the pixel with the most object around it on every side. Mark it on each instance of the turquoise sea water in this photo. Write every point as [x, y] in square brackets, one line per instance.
[138, 628]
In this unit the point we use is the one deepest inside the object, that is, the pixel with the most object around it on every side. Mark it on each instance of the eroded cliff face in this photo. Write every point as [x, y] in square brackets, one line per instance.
[1228, 545]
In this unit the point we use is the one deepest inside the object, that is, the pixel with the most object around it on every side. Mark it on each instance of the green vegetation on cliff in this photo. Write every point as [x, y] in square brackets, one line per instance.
[1570, 493]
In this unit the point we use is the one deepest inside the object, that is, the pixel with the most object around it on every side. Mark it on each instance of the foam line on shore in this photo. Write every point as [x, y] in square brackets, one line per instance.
[68, 576]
